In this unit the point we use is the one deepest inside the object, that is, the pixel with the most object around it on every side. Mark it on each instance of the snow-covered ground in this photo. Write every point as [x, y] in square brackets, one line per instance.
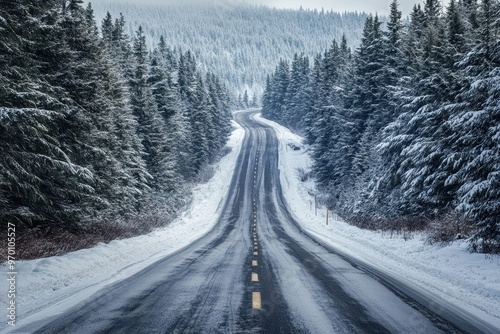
[469, 281]
[46, 287]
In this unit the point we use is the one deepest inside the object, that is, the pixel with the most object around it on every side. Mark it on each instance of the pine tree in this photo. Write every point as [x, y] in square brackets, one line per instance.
[395, 68]
[168, 56]
[470, 9]
[412, 46]
[245, 101]
[188, 83]
[475, 124]
[433, 85]
[220, 113]
[201, 122]
[107, 29]
[279, 86]
[121, 48]
[456, 28]
[312, 112]
[267, 98]
[298, 96]
[151, 126]
[40, 184]
[255, 101]
[368, 100]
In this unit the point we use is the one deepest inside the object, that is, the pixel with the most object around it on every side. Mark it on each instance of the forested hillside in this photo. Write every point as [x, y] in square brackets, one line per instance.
[240, 43]
[98, 134]
[405, 130]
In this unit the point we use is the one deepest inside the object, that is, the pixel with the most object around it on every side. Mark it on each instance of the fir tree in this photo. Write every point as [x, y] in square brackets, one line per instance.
[245, 101]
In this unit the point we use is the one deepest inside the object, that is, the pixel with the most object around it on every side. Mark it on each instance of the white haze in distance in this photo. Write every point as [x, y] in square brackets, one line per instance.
[369, 6]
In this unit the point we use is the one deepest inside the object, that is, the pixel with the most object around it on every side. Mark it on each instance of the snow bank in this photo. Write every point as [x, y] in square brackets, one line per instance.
[47, 287]
[469, 281]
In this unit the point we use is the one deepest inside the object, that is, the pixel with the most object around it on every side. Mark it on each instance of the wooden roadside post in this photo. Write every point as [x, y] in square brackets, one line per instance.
[315, 206]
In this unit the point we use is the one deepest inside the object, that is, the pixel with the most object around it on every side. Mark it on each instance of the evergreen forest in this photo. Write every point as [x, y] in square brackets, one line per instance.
[404, 131]
[238, 42]
[99, 135]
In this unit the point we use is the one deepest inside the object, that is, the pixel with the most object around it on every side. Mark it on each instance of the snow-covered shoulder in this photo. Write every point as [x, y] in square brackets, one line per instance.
[467, 280]
[46, 287]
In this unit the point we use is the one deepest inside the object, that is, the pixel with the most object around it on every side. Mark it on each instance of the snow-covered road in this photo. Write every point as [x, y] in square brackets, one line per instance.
[444, 275]
[250, 256]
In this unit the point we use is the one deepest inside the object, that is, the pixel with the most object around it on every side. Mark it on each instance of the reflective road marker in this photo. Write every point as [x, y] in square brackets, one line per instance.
[256, 301]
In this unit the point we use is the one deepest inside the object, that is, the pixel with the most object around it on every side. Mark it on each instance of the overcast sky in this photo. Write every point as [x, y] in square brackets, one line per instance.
[370, 6]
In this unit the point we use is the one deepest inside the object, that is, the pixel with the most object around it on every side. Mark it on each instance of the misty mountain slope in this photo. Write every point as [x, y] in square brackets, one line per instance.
[238, 42]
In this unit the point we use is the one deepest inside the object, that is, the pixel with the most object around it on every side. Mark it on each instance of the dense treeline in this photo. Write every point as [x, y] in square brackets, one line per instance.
[405, 130]
[93, 126]
[238, 42]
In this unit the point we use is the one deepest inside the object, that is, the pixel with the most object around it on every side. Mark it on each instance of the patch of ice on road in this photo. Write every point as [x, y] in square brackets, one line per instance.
[469, 281]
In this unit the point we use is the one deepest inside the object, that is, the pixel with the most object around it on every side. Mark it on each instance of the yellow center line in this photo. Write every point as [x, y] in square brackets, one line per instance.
[256, 247]
[256, 301]
[255, 277]
[254, 263]
[255, 253]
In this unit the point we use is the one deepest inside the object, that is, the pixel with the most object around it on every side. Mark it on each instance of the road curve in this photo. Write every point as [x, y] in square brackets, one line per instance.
[255, 272]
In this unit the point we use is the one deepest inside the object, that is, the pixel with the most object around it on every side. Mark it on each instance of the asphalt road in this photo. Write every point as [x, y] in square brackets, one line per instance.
[258, 272]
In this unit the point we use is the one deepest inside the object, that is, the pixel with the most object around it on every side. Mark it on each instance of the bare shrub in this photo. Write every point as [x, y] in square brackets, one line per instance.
[223, 152]
[205, 174]
[303, 174]
[208, 170]
[294, 147]
[37, 243]
[394, 227]
[449, 228]
[488, 247]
